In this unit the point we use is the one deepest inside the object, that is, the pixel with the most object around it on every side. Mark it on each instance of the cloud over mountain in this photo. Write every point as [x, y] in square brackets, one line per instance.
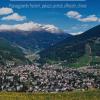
[25, 26]
[30, 26]
[76, 33]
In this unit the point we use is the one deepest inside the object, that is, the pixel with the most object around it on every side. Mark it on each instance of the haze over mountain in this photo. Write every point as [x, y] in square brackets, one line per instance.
[80, 50]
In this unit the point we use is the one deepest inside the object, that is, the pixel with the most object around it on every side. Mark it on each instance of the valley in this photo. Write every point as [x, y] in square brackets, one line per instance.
[72, 64]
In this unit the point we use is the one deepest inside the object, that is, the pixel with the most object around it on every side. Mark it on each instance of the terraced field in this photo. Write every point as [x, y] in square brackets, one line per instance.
[87, 95]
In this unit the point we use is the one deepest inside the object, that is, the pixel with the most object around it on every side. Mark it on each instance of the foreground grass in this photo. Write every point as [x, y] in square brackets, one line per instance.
[87, 95]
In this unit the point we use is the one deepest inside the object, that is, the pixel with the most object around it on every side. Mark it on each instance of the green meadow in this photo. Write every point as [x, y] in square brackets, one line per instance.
[77, 95]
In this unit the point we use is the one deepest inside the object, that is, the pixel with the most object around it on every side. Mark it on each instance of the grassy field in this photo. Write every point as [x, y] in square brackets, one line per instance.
[87, 95]
[82, 61]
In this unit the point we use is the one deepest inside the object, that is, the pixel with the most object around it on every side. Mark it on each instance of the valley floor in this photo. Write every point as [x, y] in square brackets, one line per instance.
[87, 95]
[49, 78]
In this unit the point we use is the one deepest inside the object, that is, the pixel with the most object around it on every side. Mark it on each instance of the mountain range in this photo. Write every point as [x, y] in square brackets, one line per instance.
[21, 43]
[76, 51]
[33, 40]
[60, 48]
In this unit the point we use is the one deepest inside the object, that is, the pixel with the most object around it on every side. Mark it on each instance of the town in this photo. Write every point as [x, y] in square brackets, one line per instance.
[48, 78]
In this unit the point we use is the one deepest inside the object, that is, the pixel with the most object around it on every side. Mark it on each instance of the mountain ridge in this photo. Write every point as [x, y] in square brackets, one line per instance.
[72, 49]
[33, 40]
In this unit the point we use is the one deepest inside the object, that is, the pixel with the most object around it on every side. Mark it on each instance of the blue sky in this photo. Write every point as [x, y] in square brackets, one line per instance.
[71, 20]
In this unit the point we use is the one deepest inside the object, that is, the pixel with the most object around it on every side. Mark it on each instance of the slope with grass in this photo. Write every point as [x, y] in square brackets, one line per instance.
[10, 53]
[87, 95]
[80, 50]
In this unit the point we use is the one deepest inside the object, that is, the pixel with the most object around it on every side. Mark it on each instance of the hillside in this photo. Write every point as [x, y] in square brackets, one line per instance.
[10, 54]
[76, 51]
[33, 40]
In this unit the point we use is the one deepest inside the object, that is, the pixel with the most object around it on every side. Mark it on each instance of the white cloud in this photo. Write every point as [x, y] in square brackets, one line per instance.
[5, 11]
[90, 18]
[76, 15]
[73, 14]
[30, 26]
[15, 17]
[51, 28]
[76, 33]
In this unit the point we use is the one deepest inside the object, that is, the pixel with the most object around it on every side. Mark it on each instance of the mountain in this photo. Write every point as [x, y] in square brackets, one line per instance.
[33, 40]
[11, 54]
[76, 51]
